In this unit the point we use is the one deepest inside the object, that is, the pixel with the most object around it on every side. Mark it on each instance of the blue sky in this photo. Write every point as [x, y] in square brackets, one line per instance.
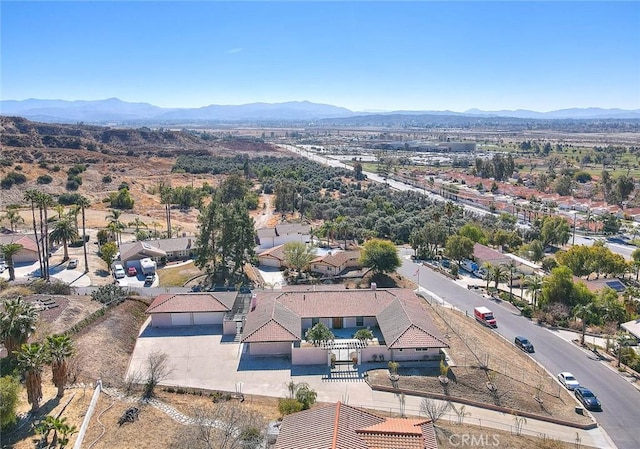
[417, 55]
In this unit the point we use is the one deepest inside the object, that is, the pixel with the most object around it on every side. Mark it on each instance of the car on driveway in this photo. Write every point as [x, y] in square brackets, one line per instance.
[131, 271]
[72, 264]
[524, 344]
[148, 281]
[567, 379]
[588, 399]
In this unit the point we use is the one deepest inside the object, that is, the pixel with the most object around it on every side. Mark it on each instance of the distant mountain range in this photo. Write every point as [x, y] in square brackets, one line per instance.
[115, 110]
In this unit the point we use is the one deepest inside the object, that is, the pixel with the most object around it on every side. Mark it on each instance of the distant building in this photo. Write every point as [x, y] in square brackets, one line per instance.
[283, 233]
[170, 249]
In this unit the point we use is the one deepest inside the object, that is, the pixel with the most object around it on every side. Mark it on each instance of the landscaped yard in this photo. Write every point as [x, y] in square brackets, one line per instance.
[517, 378]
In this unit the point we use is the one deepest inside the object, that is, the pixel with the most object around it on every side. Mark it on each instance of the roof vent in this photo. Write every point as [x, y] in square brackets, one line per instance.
[374, 286]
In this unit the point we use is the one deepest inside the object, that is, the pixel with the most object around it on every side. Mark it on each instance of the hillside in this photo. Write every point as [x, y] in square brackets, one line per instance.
[142, 158]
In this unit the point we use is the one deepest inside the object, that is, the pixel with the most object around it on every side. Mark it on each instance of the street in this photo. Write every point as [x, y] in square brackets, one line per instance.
[620, 400]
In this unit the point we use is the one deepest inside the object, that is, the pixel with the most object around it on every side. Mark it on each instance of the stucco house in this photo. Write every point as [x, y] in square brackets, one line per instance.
[335, 263]
[283, 233]
[278, 321]
[171, 249]
[483, 254]
[273, 257]
[29, 251]
[340, 426]
[191, 309]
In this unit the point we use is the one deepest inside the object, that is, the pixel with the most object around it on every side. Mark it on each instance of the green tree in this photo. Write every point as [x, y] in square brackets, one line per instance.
[458, 248]
[115, 225]
[137, 224]
[380, 255]
[31, 359]
[297, 255]
[363, 335]
[13, 216]
[498, 273]
[586, 313]
[533, 285]
[18, 320]
[60, 350]
[473, 232]
[319, 334]
[107, 252]
[83, 203]
[9, 391]
[635, 255]
[578, 258]
[31, 196]
[554, 231]
[44, 202]
[305, 395]
[8, 251]
[558, 286]
[64, 232]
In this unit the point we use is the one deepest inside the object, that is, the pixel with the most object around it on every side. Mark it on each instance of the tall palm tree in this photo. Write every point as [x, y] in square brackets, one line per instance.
[84, 202]
[498, 274]
[59, 208]
[74, 211]
[45, 201]
[488, 266]
[8, 251]
[60, 349]
[64, 232]
[166, 196]
[31, 196]
[31, 359]
[533, 285]
[17, 321]
[343, 228]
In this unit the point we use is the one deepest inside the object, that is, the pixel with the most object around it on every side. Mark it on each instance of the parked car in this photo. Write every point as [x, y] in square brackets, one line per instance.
[118, 271]
[131, 271]
[148, 281]
[73, 263]
[524, 344]
[567, 379]
[588, 399]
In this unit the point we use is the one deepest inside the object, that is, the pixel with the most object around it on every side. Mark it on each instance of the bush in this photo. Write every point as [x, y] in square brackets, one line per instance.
[109, 294]
[67, 199]
[44, 179]
[288, 406]
[9, 388]
[527, 312]
[53, 287]
[72, 185]
[107, 179]
[12, 178]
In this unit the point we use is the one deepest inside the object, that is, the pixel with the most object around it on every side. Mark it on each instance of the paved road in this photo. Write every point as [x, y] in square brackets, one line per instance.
[618, 248]
[620, 399]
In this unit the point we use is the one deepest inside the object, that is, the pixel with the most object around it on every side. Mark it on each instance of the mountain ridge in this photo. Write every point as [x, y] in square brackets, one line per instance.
[116, 110]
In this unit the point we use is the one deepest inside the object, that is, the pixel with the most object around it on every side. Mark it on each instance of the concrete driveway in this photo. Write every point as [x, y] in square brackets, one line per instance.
[272, 276]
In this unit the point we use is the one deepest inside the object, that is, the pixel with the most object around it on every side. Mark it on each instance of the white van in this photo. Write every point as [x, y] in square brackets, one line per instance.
[118, 271]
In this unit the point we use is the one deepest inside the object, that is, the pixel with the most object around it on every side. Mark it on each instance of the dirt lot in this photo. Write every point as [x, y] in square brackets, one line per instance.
[516, 376]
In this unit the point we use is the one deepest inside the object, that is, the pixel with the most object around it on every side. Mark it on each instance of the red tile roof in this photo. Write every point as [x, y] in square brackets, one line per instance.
[340, 426]
[192, 302]
[337, 259]
[277, 252]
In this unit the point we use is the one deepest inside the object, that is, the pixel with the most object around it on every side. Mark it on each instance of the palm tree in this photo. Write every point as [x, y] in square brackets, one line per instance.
[14, 218]
[586, 313]
[60, 349]
[155, 225]
[623, 339]
[512, 270]
[115, 225]
[59, 208]
[64, 232]
[487, 266]
[8, 251]
[498, 274]
[74, 211]
[31, 359]
[137, 224]
[32, 196]
[44, 201]
[166, 195]
[84, 203]
[533, 285]
[343, 228]
[17, 321]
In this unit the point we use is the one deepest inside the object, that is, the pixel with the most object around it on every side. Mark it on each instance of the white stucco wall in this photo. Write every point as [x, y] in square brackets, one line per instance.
[267, 349]
[308, 356]
[368, 353]
[412, 354]
[161, 320]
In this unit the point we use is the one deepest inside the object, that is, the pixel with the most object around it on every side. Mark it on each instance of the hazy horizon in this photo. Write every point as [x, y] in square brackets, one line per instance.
[363, 56]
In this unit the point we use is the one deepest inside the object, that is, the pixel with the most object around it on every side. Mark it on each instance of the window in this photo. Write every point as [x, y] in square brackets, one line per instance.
[359, 321]
[314, 321]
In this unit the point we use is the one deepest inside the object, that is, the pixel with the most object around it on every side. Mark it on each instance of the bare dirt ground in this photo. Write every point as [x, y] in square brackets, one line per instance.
[472, 348]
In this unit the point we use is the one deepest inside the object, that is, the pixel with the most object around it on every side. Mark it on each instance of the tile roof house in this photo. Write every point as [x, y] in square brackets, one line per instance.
[335, 263]
[172, 249]
[29, 251]
[482, 254]
[273, 257]
[277, 322]
[186, 309]
[340, 426]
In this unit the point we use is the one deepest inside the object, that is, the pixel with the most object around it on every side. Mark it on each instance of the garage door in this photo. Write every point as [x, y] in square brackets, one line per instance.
[207, 318]
[180, 319]
[269, 262]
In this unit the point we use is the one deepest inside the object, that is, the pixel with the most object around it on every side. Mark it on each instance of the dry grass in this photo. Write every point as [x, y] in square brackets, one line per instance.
[517, 376]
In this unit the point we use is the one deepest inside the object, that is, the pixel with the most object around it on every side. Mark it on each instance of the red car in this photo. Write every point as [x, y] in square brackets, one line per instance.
[131, 271]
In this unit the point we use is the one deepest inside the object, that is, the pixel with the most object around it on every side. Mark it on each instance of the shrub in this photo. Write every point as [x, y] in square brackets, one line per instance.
[67, 199]
[56, 168]
[72, 185]
[288, 406]
[527, 312]
[109, 294]
[53, 287]
[107, 179]
[44, 179]
[9, 388]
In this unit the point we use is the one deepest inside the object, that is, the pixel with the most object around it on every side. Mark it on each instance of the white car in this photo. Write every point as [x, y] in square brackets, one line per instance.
[567, 379]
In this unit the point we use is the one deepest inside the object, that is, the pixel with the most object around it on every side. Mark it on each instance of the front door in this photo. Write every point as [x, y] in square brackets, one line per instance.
[337, 323]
